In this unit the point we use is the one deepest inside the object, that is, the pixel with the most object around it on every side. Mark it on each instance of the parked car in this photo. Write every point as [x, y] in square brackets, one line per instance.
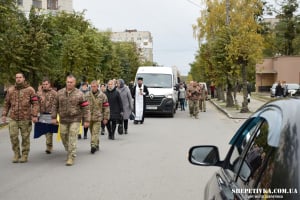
[292, 89]
[272, 90]
[263, 157]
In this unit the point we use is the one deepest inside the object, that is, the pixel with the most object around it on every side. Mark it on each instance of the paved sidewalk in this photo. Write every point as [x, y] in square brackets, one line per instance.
[257, 100]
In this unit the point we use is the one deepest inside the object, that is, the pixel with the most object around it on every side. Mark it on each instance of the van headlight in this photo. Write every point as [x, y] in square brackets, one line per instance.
[170, 96]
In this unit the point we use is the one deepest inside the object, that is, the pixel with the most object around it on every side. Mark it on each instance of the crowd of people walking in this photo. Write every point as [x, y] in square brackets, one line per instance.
[94, 107]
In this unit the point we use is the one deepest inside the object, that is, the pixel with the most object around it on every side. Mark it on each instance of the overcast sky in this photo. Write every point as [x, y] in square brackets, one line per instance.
[169, 21]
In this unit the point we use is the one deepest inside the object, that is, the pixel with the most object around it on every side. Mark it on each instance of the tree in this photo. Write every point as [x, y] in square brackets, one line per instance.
[57, 45]
[76, 47]
[12, 40]
[287, 30]
[246, 44]
[35, 49]
[233, 47]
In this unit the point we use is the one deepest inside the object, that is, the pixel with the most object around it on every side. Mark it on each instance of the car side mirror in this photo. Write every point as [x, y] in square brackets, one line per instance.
[204, 155]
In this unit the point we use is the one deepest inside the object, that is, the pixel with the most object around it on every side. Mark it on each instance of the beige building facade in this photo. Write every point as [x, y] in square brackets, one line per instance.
[142, 39]
[282, 68]
[46, 5]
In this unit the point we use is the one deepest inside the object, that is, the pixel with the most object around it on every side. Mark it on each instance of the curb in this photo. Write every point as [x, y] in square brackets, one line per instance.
[225, 112]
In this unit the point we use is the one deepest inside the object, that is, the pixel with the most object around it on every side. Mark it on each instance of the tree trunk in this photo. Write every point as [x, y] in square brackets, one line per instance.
[244, 108]
[235, 90]
[229, 98]
[220, 93]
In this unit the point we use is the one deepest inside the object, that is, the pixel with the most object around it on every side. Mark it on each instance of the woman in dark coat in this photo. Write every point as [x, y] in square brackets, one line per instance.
[116, 109]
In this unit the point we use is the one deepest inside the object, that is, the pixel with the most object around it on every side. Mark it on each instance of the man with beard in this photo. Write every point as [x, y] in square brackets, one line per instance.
[22, 104]
[139, 93]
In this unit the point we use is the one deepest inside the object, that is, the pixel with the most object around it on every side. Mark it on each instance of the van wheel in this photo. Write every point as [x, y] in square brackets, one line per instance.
[172, 114]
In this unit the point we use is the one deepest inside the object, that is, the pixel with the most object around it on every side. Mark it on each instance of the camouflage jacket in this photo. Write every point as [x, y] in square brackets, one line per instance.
[193, 93]
[21, 102]
[99, 106]
[71, 106]
[46, 100]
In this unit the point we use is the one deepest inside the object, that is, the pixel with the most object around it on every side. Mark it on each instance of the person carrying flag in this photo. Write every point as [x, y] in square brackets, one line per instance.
[46, 99]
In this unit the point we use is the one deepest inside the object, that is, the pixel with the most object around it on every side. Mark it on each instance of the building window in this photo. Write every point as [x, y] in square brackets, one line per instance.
[52, 4]
[37, 3]
[20, 2]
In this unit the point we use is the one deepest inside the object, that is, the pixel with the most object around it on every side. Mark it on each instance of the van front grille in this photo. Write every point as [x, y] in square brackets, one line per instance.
[155, 101]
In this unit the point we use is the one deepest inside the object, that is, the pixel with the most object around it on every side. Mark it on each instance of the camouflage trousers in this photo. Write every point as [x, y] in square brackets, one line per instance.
[202, 104]
[49, 140]
[194, 107]
[25, 129]
[94, 129]
[68, 134]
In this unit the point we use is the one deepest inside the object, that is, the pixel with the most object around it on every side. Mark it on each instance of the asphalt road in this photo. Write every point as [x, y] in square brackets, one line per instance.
[148, 163]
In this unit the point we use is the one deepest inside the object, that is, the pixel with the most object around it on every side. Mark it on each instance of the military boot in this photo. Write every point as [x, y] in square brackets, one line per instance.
[70, 161]
[102, 131]
[16, 158]
[93, 149]
[49, 150]
[24, 159]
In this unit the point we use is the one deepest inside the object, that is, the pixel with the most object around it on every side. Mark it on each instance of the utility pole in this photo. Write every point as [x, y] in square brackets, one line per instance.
[227, 12]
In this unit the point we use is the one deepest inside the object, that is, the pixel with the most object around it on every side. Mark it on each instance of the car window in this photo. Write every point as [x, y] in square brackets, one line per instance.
[240, 141]
[258, 160]
[241, 144]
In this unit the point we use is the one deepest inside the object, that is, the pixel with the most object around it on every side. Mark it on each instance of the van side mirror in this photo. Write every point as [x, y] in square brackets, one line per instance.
[204, 155]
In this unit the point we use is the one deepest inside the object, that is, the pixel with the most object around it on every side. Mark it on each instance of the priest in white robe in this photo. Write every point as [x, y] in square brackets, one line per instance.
[139, 93]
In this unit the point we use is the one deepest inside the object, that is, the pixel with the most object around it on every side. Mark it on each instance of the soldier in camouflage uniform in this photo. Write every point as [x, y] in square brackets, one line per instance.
[71, 106]
[46, 99]
[22, 104]
[202, 100]
[99, 108]
[193, 95]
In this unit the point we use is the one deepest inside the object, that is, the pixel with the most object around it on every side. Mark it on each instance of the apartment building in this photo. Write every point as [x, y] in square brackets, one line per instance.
[142, 39]
[46, 5]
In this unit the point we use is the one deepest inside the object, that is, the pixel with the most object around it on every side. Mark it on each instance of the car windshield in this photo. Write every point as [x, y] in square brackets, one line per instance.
[157, 80]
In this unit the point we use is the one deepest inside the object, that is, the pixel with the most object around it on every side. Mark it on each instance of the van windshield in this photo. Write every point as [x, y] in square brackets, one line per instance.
[157, 80]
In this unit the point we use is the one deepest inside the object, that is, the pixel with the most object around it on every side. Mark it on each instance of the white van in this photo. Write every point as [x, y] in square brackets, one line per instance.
[162, 84]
